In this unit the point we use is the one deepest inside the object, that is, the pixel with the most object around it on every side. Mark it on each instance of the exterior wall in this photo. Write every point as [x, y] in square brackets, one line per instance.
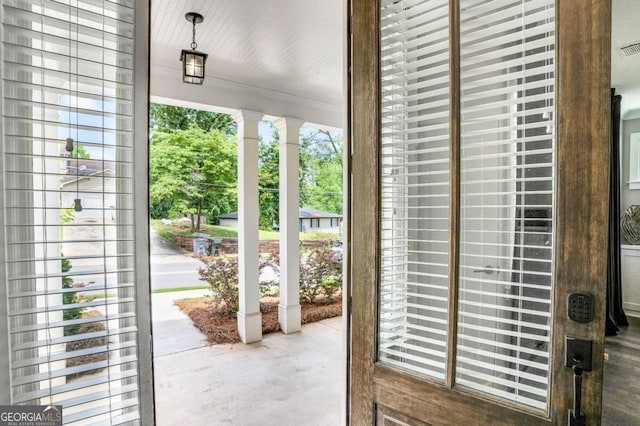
[326, 225]
[90, 192]
[231, 223]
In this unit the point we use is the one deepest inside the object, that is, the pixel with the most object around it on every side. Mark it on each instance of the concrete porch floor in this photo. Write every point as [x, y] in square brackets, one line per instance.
[295, 379]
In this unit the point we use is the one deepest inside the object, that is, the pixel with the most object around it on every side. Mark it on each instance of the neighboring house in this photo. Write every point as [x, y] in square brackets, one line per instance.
[93, 181]
[229, 219]
[310, 220]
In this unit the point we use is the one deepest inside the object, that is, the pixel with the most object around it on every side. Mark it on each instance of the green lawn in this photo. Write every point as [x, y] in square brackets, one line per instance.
[225, 232]
[175, 289]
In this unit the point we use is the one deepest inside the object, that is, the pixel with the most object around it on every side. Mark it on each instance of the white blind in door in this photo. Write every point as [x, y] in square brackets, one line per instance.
[414, 43]
[67, 111]
[507, 57]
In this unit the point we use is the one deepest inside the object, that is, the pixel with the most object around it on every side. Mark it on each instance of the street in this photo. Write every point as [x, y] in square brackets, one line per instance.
[175, 271]
[170, 266]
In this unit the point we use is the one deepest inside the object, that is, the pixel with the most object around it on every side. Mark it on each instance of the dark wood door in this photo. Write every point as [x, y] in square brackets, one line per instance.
[478, 204]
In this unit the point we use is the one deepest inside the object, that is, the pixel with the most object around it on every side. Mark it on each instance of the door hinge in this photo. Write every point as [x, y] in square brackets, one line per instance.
[350, 25]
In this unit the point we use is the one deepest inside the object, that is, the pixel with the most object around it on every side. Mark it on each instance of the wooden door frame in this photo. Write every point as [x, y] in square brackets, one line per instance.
[580, 230]
[364, 131]
[582, 188]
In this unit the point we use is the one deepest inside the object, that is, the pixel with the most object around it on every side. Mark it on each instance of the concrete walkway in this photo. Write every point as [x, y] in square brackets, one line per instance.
[295, 379]
[173, 331]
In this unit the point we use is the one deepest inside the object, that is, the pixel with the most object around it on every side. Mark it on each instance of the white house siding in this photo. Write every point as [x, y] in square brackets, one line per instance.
[89, 190]
[309, 225]
[231, 223]
[326, 225]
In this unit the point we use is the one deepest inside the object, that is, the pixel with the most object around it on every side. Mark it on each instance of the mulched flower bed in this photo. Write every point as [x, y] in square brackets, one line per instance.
[91, 327]
[221, 327]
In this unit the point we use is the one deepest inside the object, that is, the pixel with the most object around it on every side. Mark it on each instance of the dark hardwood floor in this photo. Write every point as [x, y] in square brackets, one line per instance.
[621, 394]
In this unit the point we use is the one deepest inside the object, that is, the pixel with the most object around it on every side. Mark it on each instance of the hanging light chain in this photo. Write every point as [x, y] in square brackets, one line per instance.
[194, 45]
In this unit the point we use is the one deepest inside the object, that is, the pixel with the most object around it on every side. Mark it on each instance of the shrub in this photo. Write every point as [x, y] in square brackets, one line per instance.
[320, 274]
[221, 273]
[69, 298]
[69, 314]
[270, 288]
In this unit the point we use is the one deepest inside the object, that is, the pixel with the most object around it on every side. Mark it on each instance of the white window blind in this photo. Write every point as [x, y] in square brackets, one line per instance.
[507, 60]
[507, 98]
[67, 135]
[414, 185]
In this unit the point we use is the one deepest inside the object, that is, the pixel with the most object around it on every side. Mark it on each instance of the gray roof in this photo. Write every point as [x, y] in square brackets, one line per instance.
[305, 213]
[79, 169]
[308, 212]
[232, 215]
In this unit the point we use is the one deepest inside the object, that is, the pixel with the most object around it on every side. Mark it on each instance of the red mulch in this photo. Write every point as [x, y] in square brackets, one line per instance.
[91, 327]
[221, 327]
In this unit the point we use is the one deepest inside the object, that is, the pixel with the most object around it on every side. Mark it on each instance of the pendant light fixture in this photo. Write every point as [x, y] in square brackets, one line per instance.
[192, 60]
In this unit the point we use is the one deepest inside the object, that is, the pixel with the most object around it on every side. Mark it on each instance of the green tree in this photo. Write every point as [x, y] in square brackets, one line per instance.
[321, 170]
[269, 182]
[192, 172]
[168, 118]
[324, 192]
[80, 152]
[322, 143]
[320, 174]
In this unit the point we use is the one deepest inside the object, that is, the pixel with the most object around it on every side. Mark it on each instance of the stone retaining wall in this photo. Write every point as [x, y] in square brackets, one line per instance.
[230, 245]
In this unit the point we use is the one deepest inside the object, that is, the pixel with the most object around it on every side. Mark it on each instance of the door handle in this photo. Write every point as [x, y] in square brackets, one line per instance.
[578, 355]
[576, 417]
[486, 270]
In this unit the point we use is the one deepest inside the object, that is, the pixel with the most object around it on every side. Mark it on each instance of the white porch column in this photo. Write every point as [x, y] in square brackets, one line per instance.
[289, 315]
[249, 316]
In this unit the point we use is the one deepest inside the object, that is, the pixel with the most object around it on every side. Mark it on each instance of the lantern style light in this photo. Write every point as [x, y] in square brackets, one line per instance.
[192, 60]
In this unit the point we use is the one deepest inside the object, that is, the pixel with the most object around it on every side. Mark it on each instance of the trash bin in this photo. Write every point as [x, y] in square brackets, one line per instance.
[215, 250]
[199, 245]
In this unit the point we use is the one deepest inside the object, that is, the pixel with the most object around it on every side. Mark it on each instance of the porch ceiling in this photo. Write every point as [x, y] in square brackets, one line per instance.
[281, 57]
